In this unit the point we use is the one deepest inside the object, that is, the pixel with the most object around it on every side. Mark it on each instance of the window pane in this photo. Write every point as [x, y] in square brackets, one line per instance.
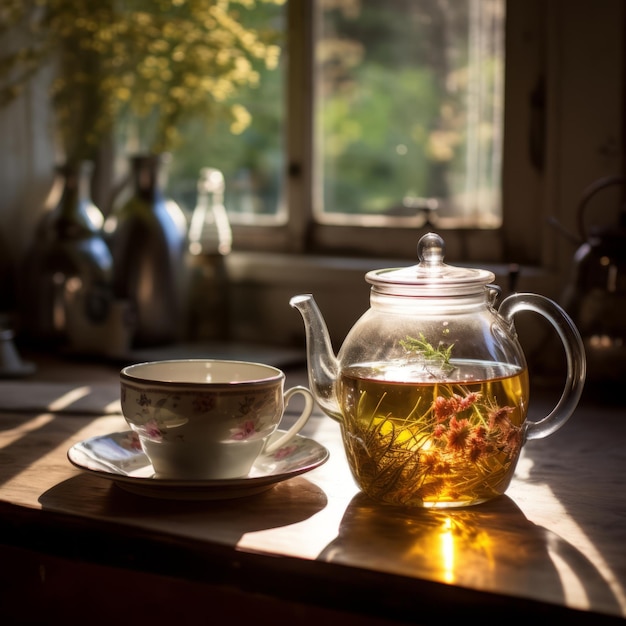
[253, 161]
[409, 111]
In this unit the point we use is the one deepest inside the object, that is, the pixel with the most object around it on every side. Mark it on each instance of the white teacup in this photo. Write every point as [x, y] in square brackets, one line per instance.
[207, 419]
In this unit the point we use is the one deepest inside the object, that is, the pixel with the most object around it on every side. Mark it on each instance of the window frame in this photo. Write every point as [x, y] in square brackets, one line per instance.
[523, 237]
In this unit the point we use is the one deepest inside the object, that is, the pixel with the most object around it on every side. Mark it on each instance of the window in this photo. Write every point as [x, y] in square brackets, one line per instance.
[408, 112]
[384, 116]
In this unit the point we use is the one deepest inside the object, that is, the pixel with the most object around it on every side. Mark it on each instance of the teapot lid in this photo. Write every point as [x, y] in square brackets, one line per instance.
[431, 276]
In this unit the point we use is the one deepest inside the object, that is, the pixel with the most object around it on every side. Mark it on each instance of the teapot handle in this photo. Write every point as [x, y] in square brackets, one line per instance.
[574, 353]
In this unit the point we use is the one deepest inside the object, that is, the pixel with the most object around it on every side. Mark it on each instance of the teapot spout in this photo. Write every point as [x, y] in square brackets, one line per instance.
[322, 364]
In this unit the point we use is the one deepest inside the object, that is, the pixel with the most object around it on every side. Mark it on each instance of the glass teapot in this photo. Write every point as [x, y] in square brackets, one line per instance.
[431, 385]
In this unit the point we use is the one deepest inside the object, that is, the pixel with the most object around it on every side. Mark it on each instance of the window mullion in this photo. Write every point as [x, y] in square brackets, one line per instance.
[300, 109]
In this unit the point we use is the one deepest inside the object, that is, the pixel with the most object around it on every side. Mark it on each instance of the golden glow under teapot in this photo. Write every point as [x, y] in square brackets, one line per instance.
[431, 385]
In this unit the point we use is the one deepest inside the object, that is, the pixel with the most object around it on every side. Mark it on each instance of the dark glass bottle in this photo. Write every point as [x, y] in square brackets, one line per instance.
[69, 263]
[148, 242]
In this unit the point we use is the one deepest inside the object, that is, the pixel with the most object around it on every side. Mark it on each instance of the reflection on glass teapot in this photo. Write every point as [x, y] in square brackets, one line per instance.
[431, 385]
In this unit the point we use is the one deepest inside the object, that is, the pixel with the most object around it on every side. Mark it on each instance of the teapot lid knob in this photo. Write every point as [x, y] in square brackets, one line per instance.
[430, 249]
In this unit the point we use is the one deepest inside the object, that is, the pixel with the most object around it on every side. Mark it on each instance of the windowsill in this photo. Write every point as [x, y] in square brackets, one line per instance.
[286, 269]
[261, 285]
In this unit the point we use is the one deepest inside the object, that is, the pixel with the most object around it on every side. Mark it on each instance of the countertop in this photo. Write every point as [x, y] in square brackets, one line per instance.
[311, 548]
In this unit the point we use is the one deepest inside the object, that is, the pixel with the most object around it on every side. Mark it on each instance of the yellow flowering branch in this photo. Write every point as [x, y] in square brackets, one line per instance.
[154, 62]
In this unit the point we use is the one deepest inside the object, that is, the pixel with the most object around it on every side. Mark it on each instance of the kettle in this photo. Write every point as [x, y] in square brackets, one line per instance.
[595, 295]
[431, 385]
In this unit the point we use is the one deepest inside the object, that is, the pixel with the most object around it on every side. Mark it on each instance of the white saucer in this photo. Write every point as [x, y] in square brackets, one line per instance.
[118, 457]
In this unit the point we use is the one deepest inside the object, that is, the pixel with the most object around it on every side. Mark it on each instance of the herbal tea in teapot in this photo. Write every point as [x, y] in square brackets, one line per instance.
[411, 439]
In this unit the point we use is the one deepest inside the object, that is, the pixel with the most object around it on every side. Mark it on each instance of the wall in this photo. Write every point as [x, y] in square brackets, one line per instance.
[26, 176]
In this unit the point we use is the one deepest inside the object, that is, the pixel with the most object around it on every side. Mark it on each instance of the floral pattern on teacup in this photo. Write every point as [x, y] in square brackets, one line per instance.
[243, 431]
[159, 416]
[254, 409]
[204, 402]
[154, 423]
[152, 430]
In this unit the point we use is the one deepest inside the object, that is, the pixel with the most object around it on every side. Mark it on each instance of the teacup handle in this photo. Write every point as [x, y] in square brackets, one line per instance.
[574, 353]
[300, 422]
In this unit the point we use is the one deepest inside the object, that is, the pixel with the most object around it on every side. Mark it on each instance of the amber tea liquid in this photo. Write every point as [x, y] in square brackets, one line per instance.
[413, 440]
